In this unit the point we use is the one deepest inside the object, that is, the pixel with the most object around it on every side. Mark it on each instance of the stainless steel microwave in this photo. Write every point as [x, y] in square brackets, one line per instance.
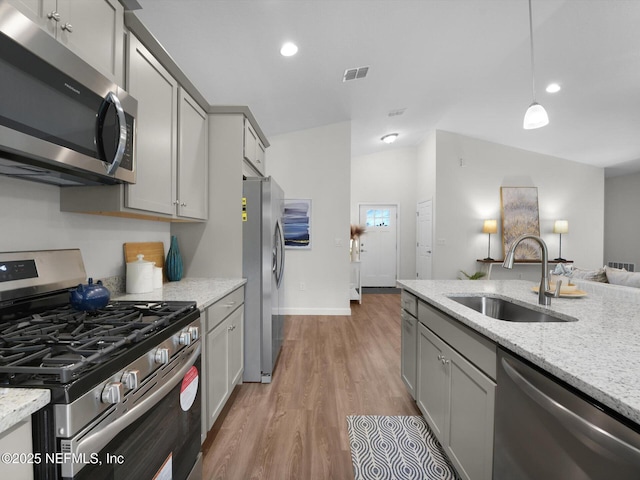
[61, 121]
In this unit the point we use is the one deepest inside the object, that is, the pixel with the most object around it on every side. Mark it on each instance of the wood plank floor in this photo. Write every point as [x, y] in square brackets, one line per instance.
[296, 427]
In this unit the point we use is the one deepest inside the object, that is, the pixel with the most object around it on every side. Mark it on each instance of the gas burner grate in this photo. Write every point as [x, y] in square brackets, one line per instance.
[61, 343]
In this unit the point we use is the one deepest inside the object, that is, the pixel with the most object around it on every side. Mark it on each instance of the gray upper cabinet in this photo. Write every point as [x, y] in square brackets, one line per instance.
[92, 29]
[171, 151]
[193, 165]
[157, 131]
[254, 149]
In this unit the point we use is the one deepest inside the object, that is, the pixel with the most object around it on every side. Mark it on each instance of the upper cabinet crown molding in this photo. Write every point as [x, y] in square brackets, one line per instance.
[135, 26]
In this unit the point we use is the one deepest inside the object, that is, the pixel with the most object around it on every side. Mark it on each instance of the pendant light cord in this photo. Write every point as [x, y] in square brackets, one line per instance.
[533, 76]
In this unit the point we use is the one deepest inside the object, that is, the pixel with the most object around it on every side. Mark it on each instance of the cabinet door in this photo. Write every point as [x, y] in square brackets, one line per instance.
[217, 371]
[94, 30]
[193, 158]
[40, 12]
[409, 337]
[432, 381]
[236, 347]
[468, 437]
[250, 142]
[156, 152]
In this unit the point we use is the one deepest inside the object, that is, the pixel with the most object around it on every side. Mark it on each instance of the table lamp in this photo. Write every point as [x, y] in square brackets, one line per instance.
[489, 227]
[560, 227]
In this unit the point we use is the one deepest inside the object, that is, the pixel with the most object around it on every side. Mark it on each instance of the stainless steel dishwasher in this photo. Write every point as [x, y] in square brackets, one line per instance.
[546, 431]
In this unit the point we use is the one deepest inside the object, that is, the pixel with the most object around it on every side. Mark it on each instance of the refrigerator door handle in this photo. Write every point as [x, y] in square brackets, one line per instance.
[278, 253]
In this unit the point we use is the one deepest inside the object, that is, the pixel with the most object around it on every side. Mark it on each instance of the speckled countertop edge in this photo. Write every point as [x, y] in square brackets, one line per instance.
[16, 404]
[204, 291]
[599, 354]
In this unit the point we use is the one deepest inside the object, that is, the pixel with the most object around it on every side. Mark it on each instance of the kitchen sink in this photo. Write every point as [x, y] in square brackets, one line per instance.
[502, 309]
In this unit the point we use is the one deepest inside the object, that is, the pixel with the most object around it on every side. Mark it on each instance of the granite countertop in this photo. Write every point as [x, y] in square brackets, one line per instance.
[599, 354]
[204, 291]
[17, 404]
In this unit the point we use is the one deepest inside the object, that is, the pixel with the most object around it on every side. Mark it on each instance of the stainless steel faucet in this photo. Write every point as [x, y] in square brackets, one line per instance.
[544, 294]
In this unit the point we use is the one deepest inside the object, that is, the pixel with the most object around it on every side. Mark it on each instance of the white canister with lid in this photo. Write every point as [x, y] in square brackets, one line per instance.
[140, 276]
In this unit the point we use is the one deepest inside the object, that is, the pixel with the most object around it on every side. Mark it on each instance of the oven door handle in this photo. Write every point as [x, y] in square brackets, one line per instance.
[96, 440]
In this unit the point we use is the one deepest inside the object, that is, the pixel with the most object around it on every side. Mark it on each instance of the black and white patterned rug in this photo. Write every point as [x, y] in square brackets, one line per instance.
[396, 448]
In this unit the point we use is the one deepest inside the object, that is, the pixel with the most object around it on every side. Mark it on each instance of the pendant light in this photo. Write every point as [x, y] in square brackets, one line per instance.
[536, 116]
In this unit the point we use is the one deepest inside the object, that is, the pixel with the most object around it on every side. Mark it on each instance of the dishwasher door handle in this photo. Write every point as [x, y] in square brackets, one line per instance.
[573, 422]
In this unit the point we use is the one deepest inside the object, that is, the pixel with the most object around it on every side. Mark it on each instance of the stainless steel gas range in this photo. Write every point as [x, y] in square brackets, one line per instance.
[124, 379]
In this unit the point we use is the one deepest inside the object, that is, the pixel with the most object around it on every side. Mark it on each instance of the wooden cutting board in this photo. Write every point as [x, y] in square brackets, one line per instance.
[152, 251]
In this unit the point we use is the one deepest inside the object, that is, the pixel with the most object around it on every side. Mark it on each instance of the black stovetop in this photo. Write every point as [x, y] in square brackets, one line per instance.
[70, 351]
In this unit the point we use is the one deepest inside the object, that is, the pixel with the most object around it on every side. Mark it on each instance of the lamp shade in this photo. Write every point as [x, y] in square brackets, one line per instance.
[490, 226]
[561, 226]
[535, 117]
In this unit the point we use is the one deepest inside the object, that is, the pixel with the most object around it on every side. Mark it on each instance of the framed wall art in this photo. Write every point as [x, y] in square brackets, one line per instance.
[297, 224]
[519, 208]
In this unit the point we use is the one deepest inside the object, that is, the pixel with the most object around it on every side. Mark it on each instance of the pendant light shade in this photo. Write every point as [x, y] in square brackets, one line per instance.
[535, 116]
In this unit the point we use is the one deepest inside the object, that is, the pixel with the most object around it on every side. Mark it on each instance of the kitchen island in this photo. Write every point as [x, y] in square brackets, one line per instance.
[599, 354]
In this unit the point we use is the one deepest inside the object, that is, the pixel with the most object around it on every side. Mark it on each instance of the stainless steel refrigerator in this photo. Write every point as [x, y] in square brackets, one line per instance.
[263, 267]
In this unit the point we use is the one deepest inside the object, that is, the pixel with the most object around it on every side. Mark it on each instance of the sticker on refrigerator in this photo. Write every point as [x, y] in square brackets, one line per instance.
[189, 389]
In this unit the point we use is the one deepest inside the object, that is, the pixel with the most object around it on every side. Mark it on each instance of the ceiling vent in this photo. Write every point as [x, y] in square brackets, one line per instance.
[355, 73]
[395, 113]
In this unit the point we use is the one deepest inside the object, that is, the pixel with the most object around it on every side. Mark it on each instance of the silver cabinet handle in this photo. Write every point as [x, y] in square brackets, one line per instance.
[230, 304]
[67, 27]
[183, 204]
[53, 16]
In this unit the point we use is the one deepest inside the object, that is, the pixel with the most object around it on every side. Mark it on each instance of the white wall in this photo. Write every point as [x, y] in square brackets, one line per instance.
[31, 220]
[622, 222]
[468, 193]
[315, 164]
[389, 178]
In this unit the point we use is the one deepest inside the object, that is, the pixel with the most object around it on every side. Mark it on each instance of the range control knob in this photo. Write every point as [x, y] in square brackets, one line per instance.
[162, 356]
[185, 338]
[131, 378]
[195, 333]
[112, 393]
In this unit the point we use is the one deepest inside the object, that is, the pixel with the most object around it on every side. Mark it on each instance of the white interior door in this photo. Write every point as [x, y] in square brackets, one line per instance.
[424, 229]
[378, 246]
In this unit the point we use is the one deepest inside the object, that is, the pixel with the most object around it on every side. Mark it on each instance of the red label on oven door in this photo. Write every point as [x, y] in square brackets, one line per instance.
[189, 389]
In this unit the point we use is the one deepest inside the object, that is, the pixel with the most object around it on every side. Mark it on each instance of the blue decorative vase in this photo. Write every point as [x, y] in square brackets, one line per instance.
[174, 261]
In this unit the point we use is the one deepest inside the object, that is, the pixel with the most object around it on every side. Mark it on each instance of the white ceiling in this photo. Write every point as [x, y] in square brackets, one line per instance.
[456, 65]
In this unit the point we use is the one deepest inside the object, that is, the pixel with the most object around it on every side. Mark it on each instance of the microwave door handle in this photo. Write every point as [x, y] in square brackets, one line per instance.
[122, 140]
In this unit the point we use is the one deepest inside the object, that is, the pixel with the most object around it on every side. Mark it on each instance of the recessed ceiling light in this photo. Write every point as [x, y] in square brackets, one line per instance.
[288, 49]
[390, 138]
[553, 88]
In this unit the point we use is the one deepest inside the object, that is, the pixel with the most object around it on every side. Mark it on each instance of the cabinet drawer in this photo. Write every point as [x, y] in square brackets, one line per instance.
[476, 348]
[409, 303]
[220, 310]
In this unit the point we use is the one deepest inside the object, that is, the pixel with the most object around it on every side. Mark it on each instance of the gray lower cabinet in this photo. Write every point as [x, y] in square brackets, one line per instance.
[223, 355]
[455, 394]
[17, 441]
[409, 339]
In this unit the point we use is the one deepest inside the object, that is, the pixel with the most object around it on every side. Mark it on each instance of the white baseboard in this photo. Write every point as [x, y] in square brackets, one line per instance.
[317, 311]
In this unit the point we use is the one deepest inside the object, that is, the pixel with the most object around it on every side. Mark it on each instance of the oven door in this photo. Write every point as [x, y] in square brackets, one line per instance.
[164, 443]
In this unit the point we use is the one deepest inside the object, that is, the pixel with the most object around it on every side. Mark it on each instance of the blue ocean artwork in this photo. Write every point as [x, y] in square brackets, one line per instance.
[296, 219]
